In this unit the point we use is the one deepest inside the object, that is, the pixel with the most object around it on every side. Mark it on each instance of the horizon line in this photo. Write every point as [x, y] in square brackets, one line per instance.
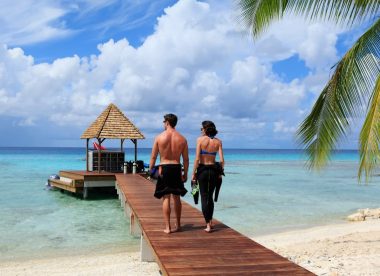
[229, 148]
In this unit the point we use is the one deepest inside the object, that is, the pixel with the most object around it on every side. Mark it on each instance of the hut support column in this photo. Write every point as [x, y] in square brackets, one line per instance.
[135, 142]
[85, 193]
[87, 154]
[99, 155]
[121, 144]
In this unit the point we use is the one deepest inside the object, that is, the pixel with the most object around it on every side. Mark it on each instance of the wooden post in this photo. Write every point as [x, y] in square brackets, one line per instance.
[135, 142]
[121, 144]
[85, 193]
[99, 155]
[87, 154]
[134, 226]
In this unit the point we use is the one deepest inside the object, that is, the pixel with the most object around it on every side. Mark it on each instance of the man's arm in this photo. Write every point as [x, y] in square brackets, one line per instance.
[154, 154]
[185, 158]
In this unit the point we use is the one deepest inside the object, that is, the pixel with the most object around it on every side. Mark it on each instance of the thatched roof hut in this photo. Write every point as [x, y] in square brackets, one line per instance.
[112, 124]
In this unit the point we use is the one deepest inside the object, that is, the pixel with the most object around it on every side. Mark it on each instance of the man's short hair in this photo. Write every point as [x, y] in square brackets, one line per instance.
[171, 119]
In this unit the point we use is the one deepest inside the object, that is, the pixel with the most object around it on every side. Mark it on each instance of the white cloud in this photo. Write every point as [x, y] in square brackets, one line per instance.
[313, 42]
[281, 127]
[318, 50]
[27, 122]
[27, 21]
[195, 64]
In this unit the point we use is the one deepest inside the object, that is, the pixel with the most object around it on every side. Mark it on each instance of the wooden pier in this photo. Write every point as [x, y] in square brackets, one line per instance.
[192, 251]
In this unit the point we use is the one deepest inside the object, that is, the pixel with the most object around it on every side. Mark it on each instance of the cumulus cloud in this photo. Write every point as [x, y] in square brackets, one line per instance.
[196, 63]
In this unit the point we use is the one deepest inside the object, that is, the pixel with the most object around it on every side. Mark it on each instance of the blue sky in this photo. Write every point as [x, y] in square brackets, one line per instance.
[63, 62]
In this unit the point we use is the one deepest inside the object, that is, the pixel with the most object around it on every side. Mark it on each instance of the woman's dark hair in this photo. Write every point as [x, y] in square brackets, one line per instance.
[171, 119]
[209, 128]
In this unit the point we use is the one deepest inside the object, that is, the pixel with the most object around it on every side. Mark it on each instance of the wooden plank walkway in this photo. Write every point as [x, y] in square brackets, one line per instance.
[193, 251]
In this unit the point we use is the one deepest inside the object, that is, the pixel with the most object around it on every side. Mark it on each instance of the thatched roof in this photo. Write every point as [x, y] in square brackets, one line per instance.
[113, 124]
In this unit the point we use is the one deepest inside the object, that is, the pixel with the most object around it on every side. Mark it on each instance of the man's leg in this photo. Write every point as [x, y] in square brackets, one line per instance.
[177, 210]
[166, 212]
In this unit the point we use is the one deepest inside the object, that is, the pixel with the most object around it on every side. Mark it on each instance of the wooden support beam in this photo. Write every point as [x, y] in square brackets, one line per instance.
[85, 193]
[134, 226]
[87, 154]
[135, 143]
[121, 144]
[99, 154]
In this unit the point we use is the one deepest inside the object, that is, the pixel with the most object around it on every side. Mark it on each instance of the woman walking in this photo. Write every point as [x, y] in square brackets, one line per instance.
[205, 170]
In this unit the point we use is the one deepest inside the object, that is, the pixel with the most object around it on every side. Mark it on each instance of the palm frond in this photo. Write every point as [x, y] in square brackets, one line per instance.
[344, 12]
[370, 136]
[342, 98]
[259, 14]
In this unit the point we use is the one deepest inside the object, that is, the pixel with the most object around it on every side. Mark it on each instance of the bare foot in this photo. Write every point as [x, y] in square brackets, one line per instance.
[208, 228]
[167, 231]
[211, 225]
[176, 229]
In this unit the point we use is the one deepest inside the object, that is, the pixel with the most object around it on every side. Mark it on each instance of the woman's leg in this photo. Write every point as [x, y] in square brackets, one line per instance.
[207, 187]
[203, 189]
[210, 194]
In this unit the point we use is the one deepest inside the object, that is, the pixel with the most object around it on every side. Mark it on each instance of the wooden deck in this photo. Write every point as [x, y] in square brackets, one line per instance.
[78, 181]
[193, 251]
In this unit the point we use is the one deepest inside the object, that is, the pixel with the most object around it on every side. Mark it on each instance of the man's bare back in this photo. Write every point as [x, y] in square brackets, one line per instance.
[171, 146]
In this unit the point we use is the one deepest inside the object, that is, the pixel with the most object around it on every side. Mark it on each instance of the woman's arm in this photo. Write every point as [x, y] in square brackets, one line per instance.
[197, 157]
[221, 156]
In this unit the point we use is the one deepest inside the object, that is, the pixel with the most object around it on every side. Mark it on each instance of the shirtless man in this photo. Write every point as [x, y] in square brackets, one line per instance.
[171, 145]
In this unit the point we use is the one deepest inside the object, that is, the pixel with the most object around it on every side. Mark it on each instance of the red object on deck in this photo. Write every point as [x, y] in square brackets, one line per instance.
[98, 147]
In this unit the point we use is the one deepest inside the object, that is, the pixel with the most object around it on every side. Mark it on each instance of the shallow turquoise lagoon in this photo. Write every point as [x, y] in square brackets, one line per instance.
[264, 191]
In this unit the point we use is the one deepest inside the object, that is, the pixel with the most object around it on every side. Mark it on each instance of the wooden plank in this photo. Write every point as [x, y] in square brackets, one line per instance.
[71, 174]
[62, 185]
[192, 251]
[82, 174]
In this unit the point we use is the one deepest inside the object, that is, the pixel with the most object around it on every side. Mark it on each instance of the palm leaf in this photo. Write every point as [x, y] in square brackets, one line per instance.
[258, 14]
[370, 136]
[343, 97]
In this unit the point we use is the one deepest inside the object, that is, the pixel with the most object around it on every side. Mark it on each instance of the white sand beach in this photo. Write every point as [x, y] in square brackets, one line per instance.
[351, 248]
[124, 263]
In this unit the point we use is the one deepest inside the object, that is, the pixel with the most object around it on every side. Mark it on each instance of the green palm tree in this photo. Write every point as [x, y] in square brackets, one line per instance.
[354, 84]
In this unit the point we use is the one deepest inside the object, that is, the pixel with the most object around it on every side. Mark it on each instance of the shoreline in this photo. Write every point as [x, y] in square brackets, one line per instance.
[347, 248]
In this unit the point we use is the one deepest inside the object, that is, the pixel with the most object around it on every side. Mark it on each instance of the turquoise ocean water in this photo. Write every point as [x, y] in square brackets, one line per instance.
[264, 191]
